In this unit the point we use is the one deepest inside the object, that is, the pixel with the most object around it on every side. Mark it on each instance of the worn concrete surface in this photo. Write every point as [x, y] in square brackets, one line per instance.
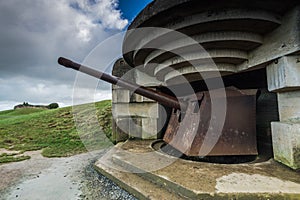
[42, 178]
[199, 180]
[255, 183]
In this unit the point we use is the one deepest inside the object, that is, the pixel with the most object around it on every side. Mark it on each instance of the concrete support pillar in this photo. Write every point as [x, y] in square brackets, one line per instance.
[284, 78]
[134, 116]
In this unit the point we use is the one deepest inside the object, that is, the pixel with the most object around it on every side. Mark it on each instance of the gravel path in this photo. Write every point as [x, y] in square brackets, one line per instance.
[57, 178]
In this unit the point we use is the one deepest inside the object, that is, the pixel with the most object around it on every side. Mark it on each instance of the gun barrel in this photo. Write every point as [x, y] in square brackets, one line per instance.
[162, 98]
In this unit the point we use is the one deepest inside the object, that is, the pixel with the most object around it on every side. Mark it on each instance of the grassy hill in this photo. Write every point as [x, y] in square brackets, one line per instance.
[55, 131]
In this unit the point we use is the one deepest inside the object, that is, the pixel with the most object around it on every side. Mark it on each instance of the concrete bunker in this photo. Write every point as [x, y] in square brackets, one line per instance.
[237, 44]
[254, 45]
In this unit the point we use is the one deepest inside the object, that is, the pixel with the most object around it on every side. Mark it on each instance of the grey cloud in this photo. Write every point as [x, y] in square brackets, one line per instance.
[34, 33]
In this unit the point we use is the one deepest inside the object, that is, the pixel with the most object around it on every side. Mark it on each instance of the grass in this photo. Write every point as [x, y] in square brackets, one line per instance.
[55, 131]
[19, 112]
[10, 158]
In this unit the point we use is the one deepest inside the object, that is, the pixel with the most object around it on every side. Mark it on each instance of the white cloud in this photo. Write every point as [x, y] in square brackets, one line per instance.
[104, 11]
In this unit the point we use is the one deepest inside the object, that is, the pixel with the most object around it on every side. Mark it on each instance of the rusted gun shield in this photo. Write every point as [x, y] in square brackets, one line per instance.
[189, 132]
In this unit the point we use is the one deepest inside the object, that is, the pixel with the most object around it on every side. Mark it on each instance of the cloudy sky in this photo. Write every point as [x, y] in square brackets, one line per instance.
[34, 33]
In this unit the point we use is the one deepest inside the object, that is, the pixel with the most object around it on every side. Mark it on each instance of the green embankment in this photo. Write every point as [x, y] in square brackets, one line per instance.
[55, 131]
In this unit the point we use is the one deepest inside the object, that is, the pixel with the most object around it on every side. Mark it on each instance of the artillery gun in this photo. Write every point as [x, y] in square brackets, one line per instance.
[192, 128]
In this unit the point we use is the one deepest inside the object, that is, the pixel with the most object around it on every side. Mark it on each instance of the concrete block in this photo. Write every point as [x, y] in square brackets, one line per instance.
[119, 132]
[289, 106]
[145, 110]
[286, 143]
[121, 128]
[135, 127]
[150, 128]
[120, 96]
[128, 127]
[284, 74]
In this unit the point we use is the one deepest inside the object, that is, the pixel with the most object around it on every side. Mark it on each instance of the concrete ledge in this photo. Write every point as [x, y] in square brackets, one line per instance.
[134, 184]
[199, 180]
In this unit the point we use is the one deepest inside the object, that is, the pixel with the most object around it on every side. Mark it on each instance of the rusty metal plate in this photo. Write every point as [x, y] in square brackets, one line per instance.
[189, 132]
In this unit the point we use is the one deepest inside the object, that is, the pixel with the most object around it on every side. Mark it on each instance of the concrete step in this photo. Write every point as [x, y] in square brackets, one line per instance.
[134, 183]
[149, 174]
[156, 179]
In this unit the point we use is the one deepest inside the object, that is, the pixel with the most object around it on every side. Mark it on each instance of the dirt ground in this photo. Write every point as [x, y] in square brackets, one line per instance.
[56, 178]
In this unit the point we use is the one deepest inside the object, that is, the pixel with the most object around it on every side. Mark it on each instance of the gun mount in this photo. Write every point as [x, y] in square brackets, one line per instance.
[192, 129]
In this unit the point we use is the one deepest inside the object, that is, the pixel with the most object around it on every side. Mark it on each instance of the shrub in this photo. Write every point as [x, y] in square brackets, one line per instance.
[53, 105]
